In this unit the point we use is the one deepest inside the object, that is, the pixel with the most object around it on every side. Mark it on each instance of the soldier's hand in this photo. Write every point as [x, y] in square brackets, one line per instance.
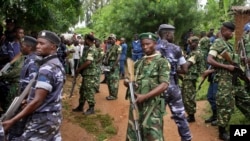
[230, 67]
[140, 98]
[7, 124]
[125, 82]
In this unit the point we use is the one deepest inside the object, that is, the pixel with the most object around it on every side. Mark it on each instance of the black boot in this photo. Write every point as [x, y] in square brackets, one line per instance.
[214, 123]
[191, 118]
[79, 108]
[90, 111]
[212, 118]
[223, 135]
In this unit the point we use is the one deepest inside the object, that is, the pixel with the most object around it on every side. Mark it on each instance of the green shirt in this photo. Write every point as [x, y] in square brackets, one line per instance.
[90, 54]
[204, 45]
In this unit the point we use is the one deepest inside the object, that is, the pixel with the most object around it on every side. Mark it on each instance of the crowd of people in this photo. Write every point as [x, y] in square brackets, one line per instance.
[160, 66]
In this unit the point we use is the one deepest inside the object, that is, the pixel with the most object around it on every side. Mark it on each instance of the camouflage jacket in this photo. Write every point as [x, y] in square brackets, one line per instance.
[197, 67]
[204, 45]
[113, 53]
[90, 54]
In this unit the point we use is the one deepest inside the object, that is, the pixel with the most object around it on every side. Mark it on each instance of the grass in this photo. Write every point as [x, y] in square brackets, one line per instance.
[99, 125]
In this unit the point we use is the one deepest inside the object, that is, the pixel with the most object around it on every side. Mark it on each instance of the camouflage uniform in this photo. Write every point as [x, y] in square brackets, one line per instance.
[173, 96]
[204, 45]
[88, 89]
[100, 54]
[27, 73]
[228, 94]
[190, 79]
[246, 38]
[149, 76]
[113, 76]
[12, 77]
[45, 122]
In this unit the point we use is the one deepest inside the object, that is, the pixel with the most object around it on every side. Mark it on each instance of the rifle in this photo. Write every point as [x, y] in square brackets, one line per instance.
[73, 82]
[203, 79]
[73, 87]
[237, 72]
[134, 106]
[7, 66]
[247, 69]
[16, 103]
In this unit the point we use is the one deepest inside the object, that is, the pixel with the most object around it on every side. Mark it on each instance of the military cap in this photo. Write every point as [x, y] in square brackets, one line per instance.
[113, 36]
[229, 25]
[50, 36]
[9, 20]
[148, 35]
[194, 38]
[166, 26]
[29, 40]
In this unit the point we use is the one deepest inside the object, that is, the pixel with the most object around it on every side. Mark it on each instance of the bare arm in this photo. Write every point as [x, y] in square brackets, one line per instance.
[213, 62]
[183, 68]
[83, 66]
[40, 95]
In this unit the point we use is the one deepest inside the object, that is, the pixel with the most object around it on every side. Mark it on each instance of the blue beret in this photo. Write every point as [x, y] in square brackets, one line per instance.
[166, 26]
[148, 35]
[29, 39]
[50, 36]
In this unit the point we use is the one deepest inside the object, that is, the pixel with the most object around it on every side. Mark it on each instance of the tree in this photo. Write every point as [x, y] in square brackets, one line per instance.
[56, 15]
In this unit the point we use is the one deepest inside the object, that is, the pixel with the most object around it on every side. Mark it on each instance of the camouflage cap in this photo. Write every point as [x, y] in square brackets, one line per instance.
[194, 39]
[113, 36]
[50, 36]
[229, 25]
[148, 35]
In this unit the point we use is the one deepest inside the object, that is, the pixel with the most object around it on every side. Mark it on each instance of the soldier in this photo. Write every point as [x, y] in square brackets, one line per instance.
[204, 45]
[113, 56]
[230, 92]
[100, 54]
[44, 105]
[29, 68]
[195, 64]
[173, 97]
[152, 73]
[88, 71]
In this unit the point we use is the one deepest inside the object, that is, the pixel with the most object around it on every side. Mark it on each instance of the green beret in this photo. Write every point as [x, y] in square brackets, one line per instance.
[50, 36]
[194, 38]
[229, 25]
[148, 35]
[29, 40]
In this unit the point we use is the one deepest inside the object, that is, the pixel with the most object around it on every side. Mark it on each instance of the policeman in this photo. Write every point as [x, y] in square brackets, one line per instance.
[173, 96]
[44, 105]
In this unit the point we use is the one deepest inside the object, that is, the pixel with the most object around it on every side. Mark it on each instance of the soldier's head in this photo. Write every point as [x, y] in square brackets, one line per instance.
[28, 45]
[112, 39]
[193, 42]
[47, 42]
[148, 42]
[227, 30]
[166, 31]
[97, 42]
[89, 40]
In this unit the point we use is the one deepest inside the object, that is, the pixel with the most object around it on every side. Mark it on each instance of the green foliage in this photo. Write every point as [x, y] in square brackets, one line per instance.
[56, 15]
[125, 18]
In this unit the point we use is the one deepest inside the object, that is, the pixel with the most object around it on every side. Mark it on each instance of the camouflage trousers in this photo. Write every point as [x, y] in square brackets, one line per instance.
[43, 126]
[151, 129]
[173, 99]
[97, 78]
[88, 90]
[113, 82]
[188, 96]
[227, 97]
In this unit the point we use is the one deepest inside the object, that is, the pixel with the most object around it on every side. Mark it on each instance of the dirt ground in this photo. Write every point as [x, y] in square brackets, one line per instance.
[118, 109]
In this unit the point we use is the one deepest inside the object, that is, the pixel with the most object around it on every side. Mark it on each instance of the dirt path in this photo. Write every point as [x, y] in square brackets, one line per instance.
[118, 109]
